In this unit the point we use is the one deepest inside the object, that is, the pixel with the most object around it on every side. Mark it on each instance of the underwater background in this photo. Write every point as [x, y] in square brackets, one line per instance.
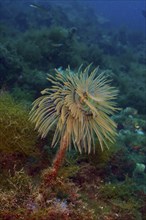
[37, 37]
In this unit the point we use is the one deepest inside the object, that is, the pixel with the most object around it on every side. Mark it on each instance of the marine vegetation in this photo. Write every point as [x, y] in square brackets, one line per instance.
[17, 134]
[95, 184]
[78, 106]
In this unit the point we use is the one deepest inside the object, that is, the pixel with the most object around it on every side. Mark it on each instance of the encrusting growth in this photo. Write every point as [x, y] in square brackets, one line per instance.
[79, 106]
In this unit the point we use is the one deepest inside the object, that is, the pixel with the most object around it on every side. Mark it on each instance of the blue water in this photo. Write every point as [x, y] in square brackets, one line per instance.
[122, 12]
[127, 13]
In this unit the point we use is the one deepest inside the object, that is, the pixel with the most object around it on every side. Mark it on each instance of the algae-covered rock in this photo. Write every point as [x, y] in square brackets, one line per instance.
[16, 131]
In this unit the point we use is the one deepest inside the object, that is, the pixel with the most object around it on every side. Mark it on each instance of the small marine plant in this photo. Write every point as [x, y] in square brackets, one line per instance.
[78, 106]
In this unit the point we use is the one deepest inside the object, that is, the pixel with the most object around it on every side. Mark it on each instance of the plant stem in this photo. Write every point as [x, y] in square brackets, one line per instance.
[60, 154]
[58, 160]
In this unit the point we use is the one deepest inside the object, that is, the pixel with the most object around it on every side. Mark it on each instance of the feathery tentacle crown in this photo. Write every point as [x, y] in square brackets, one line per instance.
[79, 106]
